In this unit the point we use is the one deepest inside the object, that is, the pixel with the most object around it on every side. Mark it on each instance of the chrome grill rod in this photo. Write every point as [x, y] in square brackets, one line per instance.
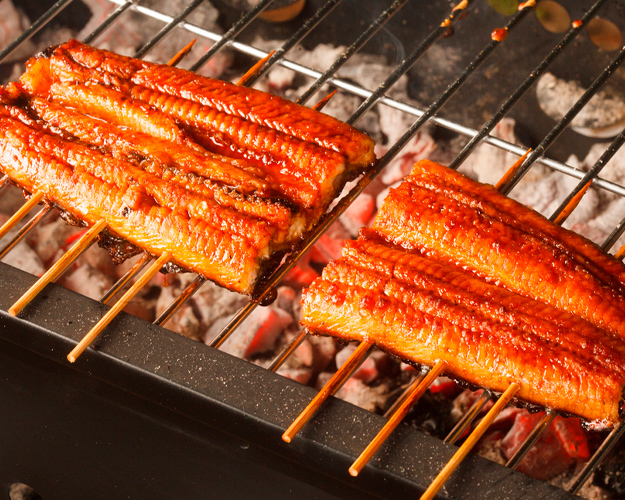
[328, 219]
[387, 101]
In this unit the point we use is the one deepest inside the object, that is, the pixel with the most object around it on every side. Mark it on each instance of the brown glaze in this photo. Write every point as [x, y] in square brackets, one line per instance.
[453, 270]
[221, 191]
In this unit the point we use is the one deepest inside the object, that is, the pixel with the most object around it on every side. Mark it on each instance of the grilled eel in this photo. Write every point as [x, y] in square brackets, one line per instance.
[75, 128]
[453, 270]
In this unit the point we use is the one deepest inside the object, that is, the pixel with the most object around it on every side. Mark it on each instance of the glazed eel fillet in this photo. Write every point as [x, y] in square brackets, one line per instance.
[453, 270]
[224, 178]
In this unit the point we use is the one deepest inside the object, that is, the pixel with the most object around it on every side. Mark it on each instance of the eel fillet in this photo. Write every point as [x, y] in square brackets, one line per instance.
[224, 178]
[453, 270]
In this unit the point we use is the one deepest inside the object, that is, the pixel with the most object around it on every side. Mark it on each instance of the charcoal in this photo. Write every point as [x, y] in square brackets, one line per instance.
[611, 475]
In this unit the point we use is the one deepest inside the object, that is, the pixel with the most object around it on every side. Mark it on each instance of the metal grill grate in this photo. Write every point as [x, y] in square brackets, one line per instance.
[371, 99]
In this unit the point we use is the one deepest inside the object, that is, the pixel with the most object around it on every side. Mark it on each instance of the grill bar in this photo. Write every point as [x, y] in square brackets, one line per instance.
[468, 418]
[352, 49]
[524, 87]
[364, 181]
[23, 231]
[408, 62]
[388, 101]
[168, 27]
[593, 172]
[301, 33]
[175, 305]
[286, 352]
[531, 440]
[121, 282]
[236, 28]
[111, 18]
[50, 14]
[565, 121]
[597, 458]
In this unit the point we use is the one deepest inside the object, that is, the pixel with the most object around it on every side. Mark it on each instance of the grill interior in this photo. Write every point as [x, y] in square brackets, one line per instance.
[225, 407]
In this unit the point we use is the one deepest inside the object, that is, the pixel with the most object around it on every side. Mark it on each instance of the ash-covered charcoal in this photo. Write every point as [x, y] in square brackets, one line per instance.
[603, 116]
[432, 415]
[611, 474]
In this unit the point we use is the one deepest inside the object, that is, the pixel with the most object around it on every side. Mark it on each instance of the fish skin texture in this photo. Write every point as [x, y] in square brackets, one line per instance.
[83, 126]
[427, 282]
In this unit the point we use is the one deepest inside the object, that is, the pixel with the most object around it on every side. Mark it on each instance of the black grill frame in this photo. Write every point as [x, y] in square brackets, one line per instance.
[27, 324]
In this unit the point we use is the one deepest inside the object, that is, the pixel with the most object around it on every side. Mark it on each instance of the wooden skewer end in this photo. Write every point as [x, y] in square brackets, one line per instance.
[286, 437]
[353, 472]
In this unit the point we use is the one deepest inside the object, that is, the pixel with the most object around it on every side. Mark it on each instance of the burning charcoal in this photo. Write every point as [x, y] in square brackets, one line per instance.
[419, 148]
[598, 228]
[324, 350]
[214, 302]
[367, 371]
[488, 163]
[359, 213]
[258, 333]
[561, 446]
[185, 322]
[444, 386]
[545, 197]
[603, 116]
[302, 275]
[286, 298]
[330, 246]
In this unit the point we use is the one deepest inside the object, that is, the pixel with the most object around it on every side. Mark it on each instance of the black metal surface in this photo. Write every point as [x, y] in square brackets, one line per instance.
[152, 414]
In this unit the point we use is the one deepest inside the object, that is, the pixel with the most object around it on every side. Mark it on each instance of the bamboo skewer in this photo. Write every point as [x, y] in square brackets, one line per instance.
[333, 385]
[140, 283]
[57, 269]
[571, 205]
[182, 53]
[620, 254]
[473, 438]
[137, 266]
[417, 390]
[511, 171]
[23, 231]
[116, 309]
[21, 213]
[250, 73]
[322, 103]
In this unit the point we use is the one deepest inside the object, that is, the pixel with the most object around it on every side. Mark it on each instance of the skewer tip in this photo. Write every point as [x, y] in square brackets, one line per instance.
[353, 472]
[71, 358]
[286, 437]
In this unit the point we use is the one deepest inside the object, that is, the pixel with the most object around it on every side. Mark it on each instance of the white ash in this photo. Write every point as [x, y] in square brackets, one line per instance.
[87, 280]
[356, 392]
[603, 116]
[25, 258]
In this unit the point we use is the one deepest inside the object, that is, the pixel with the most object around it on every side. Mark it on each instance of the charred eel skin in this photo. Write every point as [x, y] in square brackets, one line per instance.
[453, 270]
[221, 177]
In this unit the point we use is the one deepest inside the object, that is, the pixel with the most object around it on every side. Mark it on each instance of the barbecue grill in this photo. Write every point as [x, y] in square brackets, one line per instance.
[147, 412]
